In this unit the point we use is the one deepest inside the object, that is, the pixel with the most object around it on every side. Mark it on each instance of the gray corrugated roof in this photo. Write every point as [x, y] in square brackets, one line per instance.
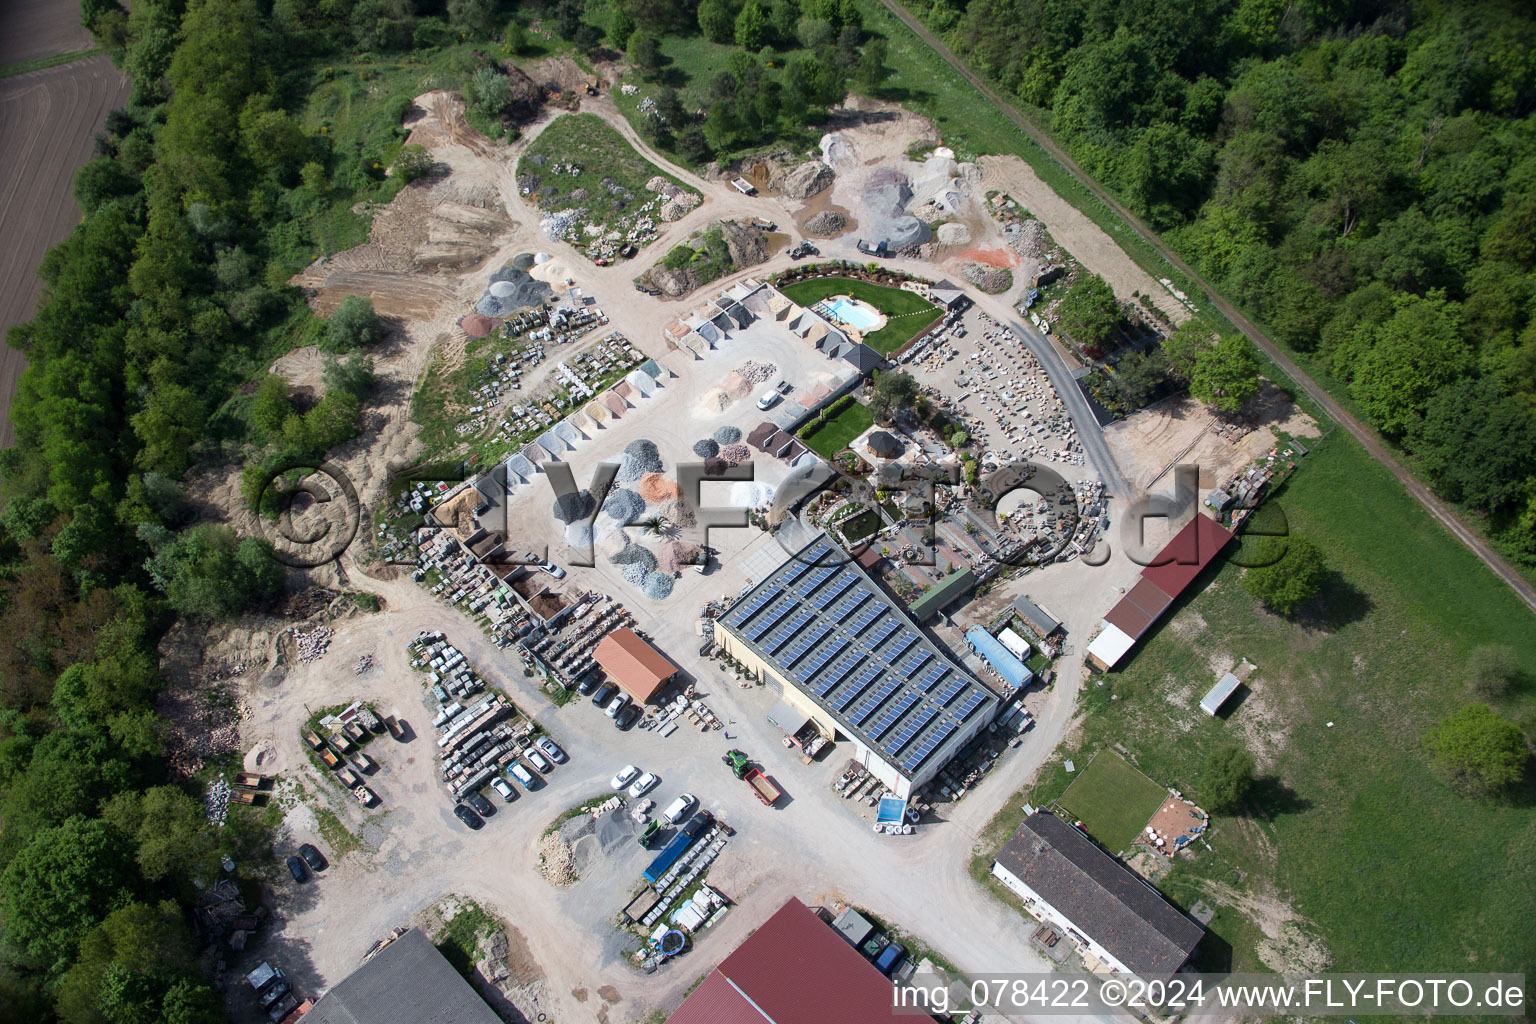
[407, 982]
[1100, 896]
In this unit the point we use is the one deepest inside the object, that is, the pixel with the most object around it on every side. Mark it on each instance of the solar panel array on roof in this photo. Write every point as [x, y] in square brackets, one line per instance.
[869, 705]
[870, 673]
[909, 732]
[846, 647]
[888, 717]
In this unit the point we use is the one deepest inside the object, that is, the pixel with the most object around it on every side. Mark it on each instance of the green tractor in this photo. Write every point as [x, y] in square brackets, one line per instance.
[738, 762]
[647, 835]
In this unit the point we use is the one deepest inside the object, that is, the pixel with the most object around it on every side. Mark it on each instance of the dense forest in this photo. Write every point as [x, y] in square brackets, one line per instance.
[255, 131]
[1360, 175]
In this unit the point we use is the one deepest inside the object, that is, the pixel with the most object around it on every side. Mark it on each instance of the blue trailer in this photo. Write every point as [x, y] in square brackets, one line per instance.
[673, 850]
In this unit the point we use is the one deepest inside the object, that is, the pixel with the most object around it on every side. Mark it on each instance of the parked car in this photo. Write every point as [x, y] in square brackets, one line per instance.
[643, 785]
[627, 717]
[481, 805]
[768, 399]
[279, 988]
[296, 868]
[551, 748]
[626, 775]
[468, 816]
[678, 809]
[604, 694]
[504, 787]
[588, 683]
[548, 567]
[616, 705]
[312, 857]
[539, 761]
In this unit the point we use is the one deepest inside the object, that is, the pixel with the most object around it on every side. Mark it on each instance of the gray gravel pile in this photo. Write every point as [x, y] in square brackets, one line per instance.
[571, 508]
[511, 288]
[640, 457]
[634, 573]
[707, 448]
[886, 194]
[657, 586]
[634, 554]
[623, 505]
[728, 435]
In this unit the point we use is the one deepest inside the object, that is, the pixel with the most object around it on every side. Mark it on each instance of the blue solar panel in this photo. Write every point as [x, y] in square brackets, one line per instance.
[754, 605]
[806, 642]
[931, 677]
[970, 704]
[800, 566]
[816, 662]
[873, 701]
[815, 580]
[889, 716]
[909, 731]
[926, 748]
[865, 617]
[834, 589]
[788, 630]
[849, 603]
[952, 691]
[835, 675]
[907, 639]
[770, 620]
[886, 628]
[914, 661]
[848, 696]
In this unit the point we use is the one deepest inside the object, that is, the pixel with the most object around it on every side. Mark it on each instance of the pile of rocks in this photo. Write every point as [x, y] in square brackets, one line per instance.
[555, 861]
[827, 222]
[989, 279]
[216, 803]
[312, 645]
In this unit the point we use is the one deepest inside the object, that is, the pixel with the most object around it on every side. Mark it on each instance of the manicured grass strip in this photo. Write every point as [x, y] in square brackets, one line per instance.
[1113, 799]
[833, 436]
[906, 312]
[53, 60]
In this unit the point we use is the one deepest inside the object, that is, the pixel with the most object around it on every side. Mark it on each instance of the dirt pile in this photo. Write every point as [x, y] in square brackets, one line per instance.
[672, 283]
[807, 180]
[656, 487]
[827, 222]
[954, 234]
[747, 243]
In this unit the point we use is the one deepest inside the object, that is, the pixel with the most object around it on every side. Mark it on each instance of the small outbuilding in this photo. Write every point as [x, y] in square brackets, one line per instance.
[1220, 693]
[634, 665]
[883, 444]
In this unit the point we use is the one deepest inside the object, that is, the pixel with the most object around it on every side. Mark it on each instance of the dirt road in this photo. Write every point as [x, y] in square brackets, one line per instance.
[1359, 431]
[47, 119]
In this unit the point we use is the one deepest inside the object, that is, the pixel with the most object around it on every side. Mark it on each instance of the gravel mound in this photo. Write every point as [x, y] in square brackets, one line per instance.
[707, 448]
[634, 554]
[634, 573]
[678, 512]
[989, 279]
[657, 586]
[755, 372]
[571, 508]
[578, 535]
[751, 494]
[954, 234]
[640, 457]
[728, 435]
[556, 862]
[677, 555]
[623, 505]
[655, 487]
[735, 453]
[1030, 240]
[827, 222]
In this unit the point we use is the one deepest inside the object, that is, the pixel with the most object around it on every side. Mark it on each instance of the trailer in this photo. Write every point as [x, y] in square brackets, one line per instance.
[250, 780]
[744, 186]
[676, 848]
[766, 791]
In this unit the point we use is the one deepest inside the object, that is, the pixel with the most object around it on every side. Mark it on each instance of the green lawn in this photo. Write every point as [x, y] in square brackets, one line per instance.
[603, 158]
[1397, 871]
[1114, 800]
[835, 433]
[908, 312]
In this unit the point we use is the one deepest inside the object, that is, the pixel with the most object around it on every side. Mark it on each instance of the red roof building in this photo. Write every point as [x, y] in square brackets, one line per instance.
[793, 970]
[637, 667]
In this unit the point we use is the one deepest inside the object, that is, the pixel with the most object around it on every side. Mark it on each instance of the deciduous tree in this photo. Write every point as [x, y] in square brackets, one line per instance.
[1476, 751]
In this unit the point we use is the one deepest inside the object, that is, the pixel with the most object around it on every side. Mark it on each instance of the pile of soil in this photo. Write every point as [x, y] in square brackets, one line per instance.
[747, 243]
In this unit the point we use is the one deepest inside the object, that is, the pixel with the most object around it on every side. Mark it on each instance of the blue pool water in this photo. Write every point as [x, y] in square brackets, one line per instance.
[853, 313]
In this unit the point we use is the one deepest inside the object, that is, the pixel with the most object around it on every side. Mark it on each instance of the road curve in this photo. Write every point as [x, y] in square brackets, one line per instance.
[1367, 437]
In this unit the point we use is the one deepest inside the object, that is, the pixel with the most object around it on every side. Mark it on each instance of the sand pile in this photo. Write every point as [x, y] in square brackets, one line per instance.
[579, 535]
[714, 400]
[655, 487]
[954, 234]
[735, 453]
[736, 385]
[837, 152]
[727, 435]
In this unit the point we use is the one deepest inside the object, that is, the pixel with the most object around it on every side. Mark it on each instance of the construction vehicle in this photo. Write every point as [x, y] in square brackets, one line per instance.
[648, 834]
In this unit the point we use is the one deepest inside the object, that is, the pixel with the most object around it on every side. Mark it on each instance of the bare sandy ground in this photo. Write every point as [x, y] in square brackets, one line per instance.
[47, 121]
[1179, 429]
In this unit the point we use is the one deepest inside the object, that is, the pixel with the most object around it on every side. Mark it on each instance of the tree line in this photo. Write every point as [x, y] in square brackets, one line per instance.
[1360, 176]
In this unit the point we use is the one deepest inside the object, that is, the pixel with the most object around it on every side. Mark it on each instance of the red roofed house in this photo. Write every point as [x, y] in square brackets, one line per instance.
[795, 969]
[638, 668]
[1176, 566]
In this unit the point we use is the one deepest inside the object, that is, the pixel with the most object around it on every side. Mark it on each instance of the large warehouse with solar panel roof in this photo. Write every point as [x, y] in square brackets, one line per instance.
[823, 633]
